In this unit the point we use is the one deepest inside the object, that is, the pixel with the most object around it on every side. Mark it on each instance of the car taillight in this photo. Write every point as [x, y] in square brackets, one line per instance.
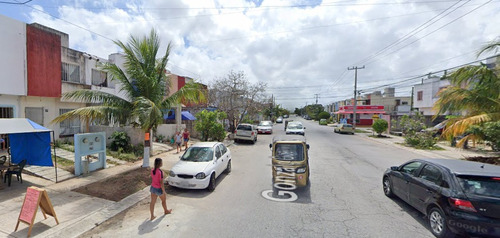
[495, 178]
[462, 204]
[253, 133]
[235, 131]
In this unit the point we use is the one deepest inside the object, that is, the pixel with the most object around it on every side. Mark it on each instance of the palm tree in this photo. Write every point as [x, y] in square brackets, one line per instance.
[474, 91]
[144, 83]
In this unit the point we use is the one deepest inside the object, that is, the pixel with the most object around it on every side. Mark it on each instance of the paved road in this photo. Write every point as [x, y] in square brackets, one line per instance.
[345, 198]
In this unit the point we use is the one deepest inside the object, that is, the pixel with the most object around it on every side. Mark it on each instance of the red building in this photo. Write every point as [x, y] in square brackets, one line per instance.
[364, 114]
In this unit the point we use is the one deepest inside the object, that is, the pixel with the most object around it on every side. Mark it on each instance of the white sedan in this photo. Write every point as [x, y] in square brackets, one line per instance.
[200, 165]
[265, 127]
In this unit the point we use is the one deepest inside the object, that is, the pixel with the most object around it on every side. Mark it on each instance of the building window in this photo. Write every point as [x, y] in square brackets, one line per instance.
[404, 103]
[420, 95]
[6, 112]
[35, 114]
[69, 127]
[70, 73]
[99, 78]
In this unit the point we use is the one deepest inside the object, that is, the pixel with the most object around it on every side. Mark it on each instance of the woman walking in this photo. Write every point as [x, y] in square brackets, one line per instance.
[178, 141]
[186, 137]
[158, 189]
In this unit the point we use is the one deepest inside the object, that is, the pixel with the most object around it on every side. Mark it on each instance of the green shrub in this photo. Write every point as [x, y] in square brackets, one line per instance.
[420, 140]
[323, 115]
[209, 127]
[379, 126]
[160, 138]
[120, 140]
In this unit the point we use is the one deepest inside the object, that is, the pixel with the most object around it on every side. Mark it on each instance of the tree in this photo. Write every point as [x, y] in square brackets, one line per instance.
[323, 115]
[314, 110]
[474, 93]
[236, 96]
[144, 83]
[379, 126]
[209, 127]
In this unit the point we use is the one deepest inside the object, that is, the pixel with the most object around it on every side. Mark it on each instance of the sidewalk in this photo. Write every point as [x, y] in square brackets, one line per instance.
[448, 152]
[77, 213]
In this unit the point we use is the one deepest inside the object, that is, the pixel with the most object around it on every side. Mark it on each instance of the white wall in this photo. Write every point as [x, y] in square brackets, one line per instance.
[12, 102]
[429, 89]
[168, 130]
[12, 57]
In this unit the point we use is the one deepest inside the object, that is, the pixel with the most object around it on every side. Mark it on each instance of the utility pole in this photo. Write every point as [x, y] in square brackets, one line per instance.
[355, 68]
[316, 98]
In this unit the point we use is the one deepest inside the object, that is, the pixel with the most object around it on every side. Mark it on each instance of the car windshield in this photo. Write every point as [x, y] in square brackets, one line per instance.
[198, 154]
[347, 126]
[294, 126]
[244, 127]
[485, 186]
[289, 152]
[265, 123]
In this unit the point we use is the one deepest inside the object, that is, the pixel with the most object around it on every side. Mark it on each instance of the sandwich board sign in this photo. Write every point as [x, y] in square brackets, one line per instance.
[34, 198]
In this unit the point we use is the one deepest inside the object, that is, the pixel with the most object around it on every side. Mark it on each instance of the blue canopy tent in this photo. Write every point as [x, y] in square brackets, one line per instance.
[28, 141]
[185, 116]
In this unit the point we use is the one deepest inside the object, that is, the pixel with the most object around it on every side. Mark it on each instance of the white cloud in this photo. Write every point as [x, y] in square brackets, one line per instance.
[285, 46]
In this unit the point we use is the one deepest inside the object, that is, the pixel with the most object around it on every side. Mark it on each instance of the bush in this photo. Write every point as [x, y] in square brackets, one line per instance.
[420, 140]
[209, 128]
[323, 115]
[380, 125]
[120, 140]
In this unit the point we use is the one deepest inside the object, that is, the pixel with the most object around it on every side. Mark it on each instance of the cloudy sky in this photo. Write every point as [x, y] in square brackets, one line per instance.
[300, 48]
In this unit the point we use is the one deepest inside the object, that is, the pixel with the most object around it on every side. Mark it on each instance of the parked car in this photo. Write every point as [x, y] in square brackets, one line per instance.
[344, 128]
[285, 116]
[295, 127]
[200, 166]
[323, 122]
[457, 196]
[279, 120]
[265, 127]
[246, 132]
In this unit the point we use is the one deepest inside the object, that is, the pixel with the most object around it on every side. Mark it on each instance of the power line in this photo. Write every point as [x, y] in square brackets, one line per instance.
[412, 32]
[443, 26]
[16, 3]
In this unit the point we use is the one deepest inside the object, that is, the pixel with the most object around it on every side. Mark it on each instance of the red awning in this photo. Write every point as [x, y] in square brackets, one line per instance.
[360, 112]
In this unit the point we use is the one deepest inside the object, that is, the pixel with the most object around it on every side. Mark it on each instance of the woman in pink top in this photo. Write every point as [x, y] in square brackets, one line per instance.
[158, 189]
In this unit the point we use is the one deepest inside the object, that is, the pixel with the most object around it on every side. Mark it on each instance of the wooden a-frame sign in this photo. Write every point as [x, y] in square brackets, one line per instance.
[34, 198]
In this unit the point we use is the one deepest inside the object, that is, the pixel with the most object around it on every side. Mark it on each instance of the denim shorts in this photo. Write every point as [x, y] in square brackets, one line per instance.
[156, 191]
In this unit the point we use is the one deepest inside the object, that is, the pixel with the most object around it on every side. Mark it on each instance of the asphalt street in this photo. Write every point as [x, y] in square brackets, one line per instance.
[344, 199]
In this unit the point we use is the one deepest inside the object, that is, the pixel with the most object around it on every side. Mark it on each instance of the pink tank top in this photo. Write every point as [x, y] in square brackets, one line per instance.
[156, 178]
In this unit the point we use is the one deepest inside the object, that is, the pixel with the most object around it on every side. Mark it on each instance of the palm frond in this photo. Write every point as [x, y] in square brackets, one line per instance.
[191, 93]
[490, 46]
[148, 113]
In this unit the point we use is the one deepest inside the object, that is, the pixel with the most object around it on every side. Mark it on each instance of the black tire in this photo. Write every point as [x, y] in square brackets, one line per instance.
[211, 185]
[236, 141]
[254, 140]
[437, 222]
[387, 186]
[228, 168]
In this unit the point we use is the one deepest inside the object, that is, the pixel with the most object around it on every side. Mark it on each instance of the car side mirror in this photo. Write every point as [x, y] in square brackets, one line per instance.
[270, 146]
[304, 127]
[394, 168]
[307, 146]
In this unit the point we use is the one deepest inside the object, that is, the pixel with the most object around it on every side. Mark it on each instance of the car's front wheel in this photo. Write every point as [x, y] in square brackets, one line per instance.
[387, 187]
[228, 168]
[437, 222]
[211, 184]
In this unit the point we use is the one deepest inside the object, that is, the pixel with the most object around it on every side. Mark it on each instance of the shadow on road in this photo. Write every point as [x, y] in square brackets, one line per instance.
[192, 193]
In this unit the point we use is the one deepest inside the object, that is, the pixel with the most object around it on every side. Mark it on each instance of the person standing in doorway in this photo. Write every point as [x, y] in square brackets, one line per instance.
[178, 141]
[158, 189]
[186, 137]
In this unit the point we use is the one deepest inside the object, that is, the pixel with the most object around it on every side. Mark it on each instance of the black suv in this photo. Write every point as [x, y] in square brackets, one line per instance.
[457, 196]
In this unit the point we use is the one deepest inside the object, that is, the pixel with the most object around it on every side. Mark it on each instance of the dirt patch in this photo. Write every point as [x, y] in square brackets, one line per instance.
[487, 160]
[118, 186]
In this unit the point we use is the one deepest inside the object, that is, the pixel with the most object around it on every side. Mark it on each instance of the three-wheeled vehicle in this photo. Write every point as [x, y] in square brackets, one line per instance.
[290, 161]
